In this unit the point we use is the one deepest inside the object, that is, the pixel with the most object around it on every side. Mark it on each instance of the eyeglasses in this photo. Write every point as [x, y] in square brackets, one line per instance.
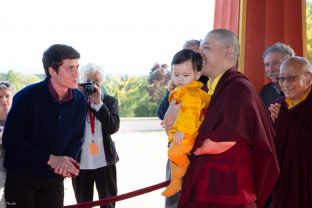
[289, 79]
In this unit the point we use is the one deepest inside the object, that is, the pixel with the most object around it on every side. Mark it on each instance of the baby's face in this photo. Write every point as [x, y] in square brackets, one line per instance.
[183, 74]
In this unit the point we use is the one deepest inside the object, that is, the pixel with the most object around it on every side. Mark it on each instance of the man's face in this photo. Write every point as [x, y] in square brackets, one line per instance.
[272, 63]
[184, 73]
[213, 54]
[6, 96]
[294, 81]
[67, 76]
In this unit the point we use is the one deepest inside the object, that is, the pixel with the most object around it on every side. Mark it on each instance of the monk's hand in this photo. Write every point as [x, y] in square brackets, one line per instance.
[211, 147]
[202, 149]
[171, 115]
[162, 123]
[178, 137]
[274, 110]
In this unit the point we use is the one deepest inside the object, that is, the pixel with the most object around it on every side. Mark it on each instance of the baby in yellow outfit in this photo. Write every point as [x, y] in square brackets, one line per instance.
[186, 66]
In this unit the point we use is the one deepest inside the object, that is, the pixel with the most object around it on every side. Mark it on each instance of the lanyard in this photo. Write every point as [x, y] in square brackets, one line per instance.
[92, 122]
[94, 149]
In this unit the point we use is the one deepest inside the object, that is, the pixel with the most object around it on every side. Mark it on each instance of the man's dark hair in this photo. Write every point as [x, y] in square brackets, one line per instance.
[188, 55]
[56, 54]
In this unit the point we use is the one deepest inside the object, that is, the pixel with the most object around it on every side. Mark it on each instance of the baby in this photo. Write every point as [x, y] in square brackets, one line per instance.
[182, 130]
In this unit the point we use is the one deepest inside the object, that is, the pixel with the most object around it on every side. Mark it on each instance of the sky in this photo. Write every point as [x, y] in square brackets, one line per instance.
[121, 36]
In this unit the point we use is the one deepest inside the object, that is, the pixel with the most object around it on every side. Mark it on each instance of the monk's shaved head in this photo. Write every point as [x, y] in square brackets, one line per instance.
[296, 65]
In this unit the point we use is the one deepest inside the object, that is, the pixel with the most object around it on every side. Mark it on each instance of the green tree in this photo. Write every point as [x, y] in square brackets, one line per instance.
[158, 79]
[128, 89]
[133, 95]
[139, 96]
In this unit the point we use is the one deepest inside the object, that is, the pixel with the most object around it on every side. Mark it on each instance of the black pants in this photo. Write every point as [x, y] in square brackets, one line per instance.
[32, 192]
[105, 180]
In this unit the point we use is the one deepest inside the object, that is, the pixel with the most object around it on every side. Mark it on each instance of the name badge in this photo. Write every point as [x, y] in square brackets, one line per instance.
[94, 149]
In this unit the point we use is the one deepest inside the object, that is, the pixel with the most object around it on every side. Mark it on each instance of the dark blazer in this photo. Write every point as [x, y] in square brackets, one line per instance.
[108, 115]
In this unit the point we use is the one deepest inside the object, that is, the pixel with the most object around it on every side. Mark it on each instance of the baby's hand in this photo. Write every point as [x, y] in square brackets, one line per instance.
[171, 86]
[178, 137]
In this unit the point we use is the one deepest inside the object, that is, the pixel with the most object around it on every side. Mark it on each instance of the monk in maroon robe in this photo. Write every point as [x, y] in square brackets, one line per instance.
[293, 142]
[235, 163]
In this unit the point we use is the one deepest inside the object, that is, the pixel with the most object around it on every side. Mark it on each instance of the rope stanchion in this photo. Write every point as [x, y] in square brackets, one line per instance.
[113, 199]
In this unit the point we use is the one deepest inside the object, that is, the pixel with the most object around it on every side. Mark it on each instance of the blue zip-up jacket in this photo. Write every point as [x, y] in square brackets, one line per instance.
[38, 126]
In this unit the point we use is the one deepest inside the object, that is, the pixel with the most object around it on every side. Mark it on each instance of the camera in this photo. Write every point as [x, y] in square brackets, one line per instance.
[88, 88]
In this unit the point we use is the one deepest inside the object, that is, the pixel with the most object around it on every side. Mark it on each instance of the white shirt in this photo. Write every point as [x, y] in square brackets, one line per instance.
[89, 161]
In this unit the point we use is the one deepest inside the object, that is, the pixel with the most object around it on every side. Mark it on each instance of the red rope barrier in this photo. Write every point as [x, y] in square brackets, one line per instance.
[110, 200]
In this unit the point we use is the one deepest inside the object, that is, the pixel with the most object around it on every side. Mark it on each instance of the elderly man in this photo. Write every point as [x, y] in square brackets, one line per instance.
[292, 116]
[273, 56]
[235, 163]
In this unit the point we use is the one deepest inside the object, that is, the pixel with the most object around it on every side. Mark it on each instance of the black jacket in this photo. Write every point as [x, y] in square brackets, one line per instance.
[108, 115]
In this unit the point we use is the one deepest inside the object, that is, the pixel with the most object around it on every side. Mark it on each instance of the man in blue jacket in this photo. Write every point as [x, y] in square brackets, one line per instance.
[43, 133]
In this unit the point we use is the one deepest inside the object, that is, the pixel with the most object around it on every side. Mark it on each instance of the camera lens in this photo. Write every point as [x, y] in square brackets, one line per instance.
[88, 88]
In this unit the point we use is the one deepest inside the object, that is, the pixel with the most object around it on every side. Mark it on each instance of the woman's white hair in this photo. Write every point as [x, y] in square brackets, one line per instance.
[89, 69]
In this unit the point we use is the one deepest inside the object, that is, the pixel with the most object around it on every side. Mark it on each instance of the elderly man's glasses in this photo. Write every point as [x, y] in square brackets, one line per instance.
[289, 79]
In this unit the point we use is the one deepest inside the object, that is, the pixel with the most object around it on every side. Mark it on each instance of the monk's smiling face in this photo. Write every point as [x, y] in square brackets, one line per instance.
[295, 78]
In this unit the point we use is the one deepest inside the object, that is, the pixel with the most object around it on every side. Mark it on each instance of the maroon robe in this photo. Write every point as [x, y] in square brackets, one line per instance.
[248, 171]
[293, 143]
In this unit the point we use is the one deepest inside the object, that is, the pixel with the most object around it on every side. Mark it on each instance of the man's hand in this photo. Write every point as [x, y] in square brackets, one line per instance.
[178, 137]
[274, 110]
[64, 166]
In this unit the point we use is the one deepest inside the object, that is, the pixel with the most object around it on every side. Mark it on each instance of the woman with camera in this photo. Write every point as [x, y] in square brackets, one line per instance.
[98, 156]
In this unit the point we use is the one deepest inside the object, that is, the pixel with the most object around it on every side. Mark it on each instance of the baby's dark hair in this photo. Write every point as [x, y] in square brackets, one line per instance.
[188, 55]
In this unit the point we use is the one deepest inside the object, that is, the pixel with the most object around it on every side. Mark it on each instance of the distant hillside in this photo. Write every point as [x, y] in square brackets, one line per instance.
[41, 76]
[21, 80]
